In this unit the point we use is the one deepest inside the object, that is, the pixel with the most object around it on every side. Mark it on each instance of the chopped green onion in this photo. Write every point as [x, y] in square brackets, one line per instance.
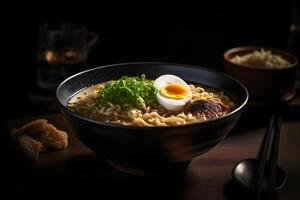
[127, 92]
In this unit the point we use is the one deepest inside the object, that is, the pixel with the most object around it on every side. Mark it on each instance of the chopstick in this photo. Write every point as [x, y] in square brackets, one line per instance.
[263, 154]
[275, 123]
[274, 157]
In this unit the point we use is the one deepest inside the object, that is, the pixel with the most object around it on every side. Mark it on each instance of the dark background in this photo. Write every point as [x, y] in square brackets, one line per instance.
[183, 33]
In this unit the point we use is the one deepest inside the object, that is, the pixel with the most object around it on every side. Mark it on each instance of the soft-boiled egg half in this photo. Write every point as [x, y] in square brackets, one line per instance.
[173, 92]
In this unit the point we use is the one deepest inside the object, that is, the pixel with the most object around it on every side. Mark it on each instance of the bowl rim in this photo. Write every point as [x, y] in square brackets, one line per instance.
[150, 127]
[239, 49]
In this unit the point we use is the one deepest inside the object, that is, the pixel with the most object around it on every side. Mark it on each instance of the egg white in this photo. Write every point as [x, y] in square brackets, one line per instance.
[168, 103]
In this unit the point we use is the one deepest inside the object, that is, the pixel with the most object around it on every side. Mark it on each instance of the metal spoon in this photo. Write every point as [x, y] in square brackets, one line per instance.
[255, 174]
[245, 174]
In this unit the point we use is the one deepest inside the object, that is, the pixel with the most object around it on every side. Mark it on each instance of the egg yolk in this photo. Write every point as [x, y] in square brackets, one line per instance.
[173, 91]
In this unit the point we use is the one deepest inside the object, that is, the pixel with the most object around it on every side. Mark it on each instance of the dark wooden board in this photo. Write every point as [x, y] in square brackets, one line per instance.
[79, 171]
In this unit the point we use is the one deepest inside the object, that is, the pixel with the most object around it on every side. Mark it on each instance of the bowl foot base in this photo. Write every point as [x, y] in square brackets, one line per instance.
[174, 168]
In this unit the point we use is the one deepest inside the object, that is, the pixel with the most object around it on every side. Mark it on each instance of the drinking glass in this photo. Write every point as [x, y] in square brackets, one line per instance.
[62, 51]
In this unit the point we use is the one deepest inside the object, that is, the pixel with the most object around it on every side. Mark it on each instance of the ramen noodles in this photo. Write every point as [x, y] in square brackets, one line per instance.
[166, 101]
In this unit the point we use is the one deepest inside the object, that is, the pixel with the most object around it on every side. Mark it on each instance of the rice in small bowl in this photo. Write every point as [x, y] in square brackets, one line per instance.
[261, 59]
[269, 74]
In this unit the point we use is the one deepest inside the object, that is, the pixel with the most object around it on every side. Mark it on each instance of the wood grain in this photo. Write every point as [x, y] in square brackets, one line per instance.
[79, 171]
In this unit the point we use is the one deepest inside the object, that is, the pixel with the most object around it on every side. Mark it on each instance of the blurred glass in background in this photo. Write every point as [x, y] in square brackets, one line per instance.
[62, 51]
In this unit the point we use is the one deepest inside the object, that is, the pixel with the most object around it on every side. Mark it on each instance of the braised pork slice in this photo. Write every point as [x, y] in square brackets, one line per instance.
[206, 109]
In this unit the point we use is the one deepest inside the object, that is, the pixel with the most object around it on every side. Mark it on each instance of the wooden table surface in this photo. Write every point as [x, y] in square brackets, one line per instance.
[78, 171]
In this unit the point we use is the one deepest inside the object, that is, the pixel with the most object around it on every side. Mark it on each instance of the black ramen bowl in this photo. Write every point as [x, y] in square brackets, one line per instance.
[143, 150]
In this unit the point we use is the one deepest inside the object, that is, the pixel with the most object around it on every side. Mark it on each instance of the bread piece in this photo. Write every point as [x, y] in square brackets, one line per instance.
[30, 147]
[51, 137]
[34, 137]
[32, 128]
